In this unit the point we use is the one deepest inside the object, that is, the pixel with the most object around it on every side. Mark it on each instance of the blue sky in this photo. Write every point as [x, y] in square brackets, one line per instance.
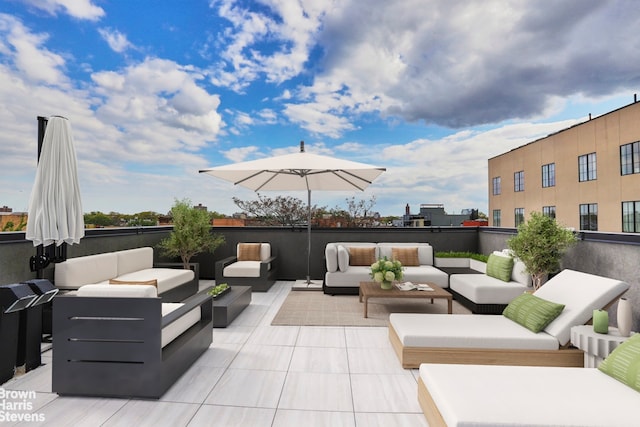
[157, 90]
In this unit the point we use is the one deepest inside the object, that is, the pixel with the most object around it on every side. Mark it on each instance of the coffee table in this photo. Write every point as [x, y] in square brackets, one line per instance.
[373, 290]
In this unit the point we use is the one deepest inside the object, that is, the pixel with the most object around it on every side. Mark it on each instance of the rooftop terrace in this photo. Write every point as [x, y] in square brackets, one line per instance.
[255, 374]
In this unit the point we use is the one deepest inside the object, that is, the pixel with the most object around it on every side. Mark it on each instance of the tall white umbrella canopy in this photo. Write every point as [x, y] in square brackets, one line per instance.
[55, 206]
[299, 171]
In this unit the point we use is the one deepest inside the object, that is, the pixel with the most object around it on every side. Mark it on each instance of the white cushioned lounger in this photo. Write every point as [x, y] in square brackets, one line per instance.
[494, 339]
[472, 395]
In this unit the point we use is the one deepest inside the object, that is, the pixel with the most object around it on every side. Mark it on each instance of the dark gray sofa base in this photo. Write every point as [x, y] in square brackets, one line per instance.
[111, 347]
[340, 290]
[477, 308]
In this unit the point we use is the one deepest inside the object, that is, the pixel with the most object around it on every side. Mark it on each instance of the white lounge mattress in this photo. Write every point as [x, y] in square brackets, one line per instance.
[467, 331]
[470, 395]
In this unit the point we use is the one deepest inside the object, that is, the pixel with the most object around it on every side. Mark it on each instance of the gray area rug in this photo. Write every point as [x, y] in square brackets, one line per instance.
[313, 308]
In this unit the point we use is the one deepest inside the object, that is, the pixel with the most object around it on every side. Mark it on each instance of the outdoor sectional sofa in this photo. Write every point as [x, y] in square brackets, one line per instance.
[123, 341]
[495, 339]
[131, 265]
[485, 293]
[349, 263]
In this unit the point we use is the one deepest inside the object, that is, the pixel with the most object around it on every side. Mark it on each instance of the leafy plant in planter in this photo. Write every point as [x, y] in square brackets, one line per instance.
[191, 233]
[540, 244]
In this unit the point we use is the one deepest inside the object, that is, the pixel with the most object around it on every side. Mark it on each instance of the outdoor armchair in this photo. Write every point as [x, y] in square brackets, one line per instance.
[253, 265]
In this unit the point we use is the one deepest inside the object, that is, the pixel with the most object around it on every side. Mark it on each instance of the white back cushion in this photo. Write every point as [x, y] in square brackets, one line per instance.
[118, 291]
[265, 251]
[131, 260]
[75, 272]
[581, 293]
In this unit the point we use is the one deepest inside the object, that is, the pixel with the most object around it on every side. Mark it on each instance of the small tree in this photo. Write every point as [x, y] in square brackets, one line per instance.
[191, 233]
[540, 244]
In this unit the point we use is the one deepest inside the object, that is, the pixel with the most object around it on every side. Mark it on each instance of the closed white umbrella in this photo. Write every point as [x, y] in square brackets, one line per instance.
[55, 206]
[296, 172]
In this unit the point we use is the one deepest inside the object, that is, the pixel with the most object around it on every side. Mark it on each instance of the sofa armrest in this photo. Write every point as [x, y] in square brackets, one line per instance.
[220, 265]
[189, 304]
[264, 265]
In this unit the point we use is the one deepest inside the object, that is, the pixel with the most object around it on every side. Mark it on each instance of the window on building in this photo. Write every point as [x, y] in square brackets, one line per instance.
[549, 211]
[549, 175]
[587, 167]
[631, 217]
[496, 217]
[497, 185]
[589, 217]
[519, 216]
[630, 158]
[518, 181]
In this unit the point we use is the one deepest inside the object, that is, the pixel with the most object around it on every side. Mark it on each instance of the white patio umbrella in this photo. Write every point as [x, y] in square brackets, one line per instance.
[55, 206]
[296, 172]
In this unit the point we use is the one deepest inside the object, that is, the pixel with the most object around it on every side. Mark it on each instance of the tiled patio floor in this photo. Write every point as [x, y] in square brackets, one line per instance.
[255, 374]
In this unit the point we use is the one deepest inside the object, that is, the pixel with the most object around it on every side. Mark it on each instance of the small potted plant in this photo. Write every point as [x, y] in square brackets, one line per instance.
[191, 233]
[540, 244]
[218, 290]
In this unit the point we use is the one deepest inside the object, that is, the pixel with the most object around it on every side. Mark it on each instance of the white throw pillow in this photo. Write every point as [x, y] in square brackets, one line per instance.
[331, 257]
[343, 258]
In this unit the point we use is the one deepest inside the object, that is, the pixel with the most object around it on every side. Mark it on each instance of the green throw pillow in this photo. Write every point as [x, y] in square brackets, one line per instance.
[623, 363]
[500, 267]
[532, 312]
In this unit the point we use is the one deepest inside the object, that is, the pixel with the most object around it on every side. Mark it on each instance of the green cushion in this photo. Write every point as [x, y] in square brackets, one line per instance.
[623, 363]
[532, 312]
[500, 267]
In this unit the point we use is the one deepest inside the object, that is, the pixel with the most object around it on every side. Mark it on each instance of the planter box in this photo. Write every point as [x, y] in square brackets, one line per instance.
[452, 262]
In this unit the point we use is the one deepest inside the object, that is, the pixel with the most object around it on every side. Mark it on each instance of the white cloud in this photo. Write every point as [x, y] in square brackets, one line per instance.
[240, 154]
[26, 51]
[80, 9]
[115, 39]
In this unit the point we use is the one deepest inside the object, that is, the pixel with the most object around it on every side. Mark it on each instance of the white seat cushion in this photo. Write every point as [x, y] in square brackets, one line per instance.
[483, 289]
[117, 291]
[177, 327]
[467, 331]
[424, 274]
[168, 278]
[470, 395]
[242, 269]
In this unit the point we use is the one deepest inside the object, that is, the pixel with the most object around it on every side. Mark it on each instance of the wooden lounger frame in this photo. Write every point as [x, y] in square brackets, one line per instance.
[429, 407]
[412, 357]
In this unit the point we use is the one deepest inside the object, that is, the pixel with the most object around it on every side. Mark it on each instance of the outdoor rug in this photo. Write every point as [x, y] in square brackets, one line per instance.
[313, 308]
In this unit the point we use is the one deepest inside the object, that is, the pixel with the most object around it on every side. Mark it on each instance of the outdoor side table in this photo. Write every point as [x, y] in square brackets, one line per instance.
[595, 346]
[229, 305]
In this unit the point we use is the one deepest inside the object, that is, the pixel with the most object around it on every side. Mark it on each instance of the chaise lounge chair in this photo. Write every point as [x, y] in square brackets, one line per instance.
[497, 340]
[473, 395]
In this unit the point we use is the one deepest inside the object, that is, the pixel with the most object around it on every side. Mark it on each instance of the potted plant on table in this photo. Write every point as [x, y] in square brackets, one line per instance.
[540, 244]
[191, 233]
[385, 271]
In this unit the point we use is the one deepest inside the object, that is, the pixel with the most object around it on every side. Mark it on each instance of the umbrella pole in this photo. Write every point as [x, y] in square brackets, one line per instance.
[308, 237]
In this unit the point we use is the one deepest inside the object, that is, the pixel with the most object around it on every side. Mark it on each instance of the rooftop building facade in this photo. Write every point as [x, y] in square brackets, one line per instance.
[586, 176]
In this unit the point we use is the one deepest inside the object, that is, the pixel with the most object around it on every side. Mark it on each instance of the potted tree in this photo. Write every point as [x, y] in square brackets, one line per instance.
[191, 233]
[540, 244]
